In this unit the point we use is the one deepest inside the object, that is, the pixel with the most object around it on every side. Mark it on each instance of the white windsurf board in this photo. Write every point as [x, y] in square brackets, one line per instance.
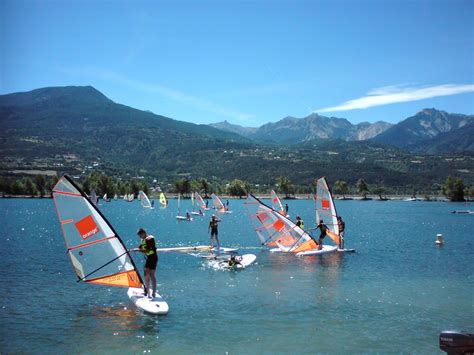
[326, 249]
[156, 305]
[243, 261]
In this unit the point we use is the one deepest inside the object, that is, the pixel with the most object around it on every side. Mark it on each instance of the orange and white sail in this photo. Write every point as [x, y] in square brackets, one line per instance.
[276, 203]
[218, 205]
[275, 230]
[326, 209]
[96, 251]
[200, 201]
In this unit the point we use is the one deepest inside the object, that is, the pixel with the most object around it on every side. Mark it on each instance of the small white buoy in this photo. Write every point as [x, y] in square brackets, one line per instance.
[439, 239]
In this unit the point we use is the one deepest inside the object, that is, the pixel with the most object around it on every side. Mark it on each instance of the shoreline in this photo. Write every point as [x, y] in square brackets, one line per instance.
[296, 197]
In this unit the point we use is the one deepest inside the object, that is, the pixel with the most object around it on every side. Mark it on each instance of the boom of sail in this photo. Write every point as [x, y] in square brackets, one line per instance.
[96, 251]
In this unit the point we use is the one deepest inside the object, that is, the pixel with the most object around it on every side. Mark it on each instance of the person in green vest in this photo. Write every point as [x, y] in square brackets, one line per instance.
[148, 247]
[341, 226]
[299, 222]
[233, 261]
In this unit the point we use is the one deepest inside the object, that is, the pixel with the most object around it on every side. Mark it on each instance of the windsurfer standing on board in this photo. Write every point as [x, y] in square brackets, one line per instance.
[323, 229]
[213, 225]
[148, 246]
[341, 226]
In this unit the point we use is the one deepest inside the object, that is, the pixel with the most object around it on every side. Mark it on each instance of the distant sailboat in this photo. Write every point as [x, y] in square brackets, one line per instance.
[163, 200]
[193, 212]
[179, 216]
[145, 202]
[202, 204]
[218, 205]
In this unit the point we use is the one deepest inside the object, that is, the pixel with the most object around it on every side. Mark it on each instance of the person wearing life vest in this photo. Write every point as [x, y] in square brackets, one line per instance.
[233, 261]
[213, 227]
[299, 222]
[341, 226]
[148, 247]
[323, 229]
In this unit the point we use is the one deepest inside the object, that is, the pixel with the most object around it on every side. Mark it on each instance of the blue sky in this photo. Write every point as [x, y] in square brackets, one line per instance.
[248, 62]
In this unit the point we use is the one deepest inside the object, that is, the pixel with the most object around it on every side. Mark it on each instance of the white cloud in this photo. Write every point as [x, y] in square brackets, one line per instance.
[172, 94]
[398, 93]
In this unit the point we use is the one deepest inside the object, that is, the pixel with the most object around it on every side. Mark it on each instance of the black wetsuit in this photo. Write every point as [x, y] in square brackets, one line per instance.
[213, 226]
[149, 246]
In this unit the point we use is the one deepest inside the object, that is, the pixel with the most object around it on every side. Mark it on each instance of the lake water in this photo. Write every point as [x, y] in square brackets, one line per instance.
[395, 294]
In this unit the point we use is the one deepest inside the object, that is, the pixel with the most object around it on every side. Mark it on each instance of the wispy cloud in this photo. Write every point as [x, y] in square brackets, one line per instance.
[398, 93]
[171, 94]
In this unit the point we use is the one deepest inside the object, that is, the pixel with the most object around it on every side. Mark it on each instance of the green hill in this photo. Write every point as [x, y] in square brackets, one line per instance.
[78, 130]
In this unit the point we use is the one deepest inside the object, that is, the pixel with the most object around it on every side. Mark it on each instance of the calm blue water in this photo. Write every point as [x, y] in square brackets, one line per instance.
[394, 295]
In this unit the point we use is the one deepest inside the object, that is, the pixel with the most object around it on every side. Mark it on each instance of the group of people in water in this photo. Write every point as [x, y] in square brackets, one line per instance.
[323, 229]
[148, 245]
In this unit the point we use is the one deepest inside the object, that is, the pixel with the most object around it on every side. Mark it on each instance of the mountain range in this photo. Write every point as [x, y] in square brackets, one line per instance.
[72, 129]
[416, 133]
[292, 130]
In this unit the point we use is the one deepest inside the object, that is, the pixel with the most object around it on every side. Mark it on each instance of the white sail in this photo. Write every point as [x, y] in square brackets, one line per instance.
[218, 205]
[145, 202]
[276, 203]
[326, 209]
[200, 201]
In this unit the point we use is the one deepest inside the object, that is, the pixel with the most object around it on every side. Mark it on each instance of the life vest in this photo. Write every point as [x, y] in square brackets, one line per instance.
[300, 224]
[341, 225]
[144, 246]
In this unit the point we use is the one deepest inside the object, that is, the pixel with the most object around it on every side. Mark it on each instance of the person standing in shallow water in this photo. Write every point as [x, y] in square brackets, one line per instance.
[148, 246]
[213, 227]
[341, 226]
[323, 229]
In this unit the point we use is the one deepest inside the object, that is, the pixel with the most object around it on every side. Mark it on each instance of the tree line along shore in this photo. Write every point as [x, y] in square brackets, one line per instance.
[40, 186]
